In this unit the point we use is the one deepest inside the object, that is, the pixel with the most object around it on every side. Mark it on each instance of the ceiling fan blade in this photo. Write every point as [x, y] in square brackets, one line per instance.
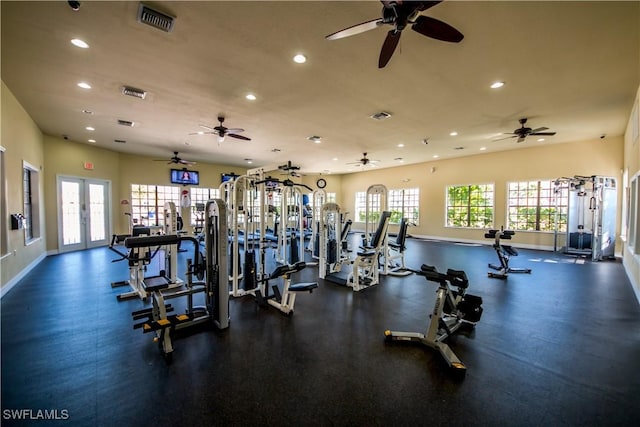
[206, 127]
[506, 137]
[203, 133]
[543, 133]
[428, 4]
[388, 47]
[436, 29]
[234, 130]
[355, 29]
[233, 135]
[538, 129]
[186, 162]
[520, 139]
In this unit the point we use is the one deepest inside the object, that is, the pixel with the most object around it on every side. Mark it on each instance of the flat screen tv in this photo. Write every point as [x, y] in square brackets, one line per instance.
[185, 177]
[228, 177]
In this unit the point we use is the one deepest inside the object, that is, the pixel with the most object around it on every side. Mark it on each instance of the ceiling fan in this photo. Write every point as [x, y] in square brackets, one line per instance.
[176, 160]
[364, 161]
[399, 14]
[222, 131]
[290, 169]
[522, 132]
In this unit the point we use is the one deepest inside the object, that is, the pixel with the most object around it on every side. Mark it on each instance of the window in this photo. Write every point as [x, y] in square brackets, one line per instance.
[4, 240]
[404, 204]
[533, 205]
[201, 196]
[361, 206]
[470, 206]
[331, 198]
[31, 201]
[147, 202]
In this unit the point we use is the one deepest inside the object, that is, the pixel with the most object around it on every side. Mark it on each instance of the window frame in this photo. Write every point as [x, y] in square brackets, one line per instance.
[553, 206]
[468, 206]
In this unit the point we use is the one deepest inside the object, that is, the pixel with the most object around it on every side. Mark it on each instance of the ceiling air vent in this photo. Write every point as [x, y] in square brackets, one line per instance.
[132, 91]
[381, 115]
[125, 123]
[120, 141]
[155, 18]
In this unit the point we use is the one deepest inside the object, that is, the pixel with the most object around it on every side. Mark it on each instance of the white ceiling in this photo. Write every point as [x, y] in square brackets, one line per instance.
[573, 67]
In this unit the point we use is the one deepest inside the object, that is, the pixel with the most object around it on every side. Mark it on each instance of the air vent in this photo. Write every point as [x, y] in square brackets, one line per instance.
[125, 123]
[381, 115]
[155, 18]
[132, 91]
[120, 141]
[458, 148]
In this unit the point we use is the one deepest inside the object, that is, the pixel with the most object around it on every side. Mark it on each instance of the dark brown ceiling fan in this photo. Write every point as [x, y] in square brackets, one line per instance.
[175, 160]
[222, 131]
[364, 161]
[399, 14]
[522, 132]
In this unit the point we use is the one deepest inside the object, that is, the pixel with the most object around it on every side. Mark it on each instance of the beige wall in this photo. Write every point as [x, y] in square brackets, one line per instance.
[23, 142]
[596, 157]
[631, 256]
[66, 158]
[54, 156]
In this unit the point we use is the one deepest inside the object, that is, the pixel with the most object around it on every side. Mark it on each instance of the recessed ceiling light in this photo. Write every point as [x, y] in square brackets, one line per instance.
[248, 161]
[300, 58]
[187, 143]
[400, 145]
[435, 156]
[454, 133]
[200, 132]
[250, 97]
[335, 158]
[87, 111]
[84, 85]
[90, 128]
[79, 43]
[496, 85]
[91, 140]
[540, 139]
[483, 148]
[315, 138]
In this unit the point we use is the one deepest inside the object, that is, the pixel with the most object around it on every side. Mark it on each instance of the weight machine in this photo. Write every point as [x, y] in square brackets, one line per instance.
[332, 246]
[505, 253]
[366, 266]
[318, 198]
[377, 202]
[453, 309]
[140, 256]
[285, 300]
[590, 215]
[159, 319]
[395, 251]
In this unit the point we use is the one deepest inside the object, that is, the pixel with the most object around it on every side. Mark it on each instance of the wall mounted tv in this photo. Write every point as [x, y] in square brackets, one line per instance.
[185, 177]
[228, 177]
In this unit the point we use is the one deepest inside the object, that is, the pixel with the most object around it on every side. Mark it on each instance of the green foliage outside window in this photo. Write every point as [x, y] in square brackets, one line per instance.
[470, 206]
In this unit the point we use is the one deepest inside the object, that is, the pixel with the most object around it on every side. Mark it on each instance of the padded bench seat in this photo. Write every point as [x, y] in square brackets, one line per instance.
[302, 287]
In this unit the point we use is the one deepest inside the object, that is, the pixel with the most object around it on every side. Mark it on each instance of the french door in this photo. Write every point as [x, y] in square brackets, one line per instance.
[83, 213]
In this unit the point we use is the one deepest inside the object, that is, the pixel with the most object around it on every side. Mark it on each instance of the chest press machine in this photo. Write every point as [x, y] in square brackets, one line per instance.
[159, 319]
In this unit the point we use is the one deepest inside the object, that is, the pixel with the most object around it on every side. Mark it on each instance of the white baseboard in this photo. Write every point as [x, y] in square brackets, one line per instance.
[11, 283]
[485, 242]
